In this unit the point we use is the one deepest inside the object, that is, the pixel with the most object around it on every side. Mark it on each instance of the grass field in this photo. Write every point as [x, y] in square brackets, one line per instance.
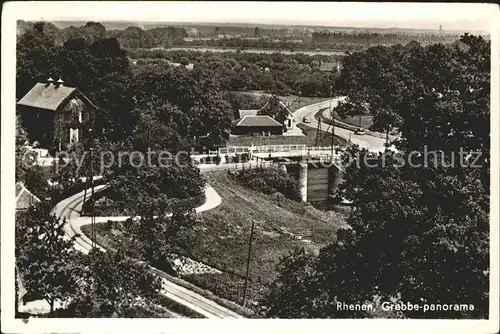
[365, 121]
[309, 139]
[222, 236]
[304, 101]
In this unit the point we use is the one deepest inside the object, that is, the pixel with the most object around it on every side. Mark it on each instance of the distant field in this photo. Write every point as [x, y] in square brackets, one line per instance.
[309, 139]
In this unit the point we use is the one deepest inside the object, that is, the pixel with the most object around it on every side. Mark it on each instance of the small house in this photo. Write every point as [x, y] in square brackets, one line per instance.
[330, 67]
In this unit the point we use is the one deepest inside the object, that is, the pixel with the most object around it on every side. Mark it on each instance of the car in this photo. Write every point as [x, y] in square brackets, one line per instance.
[359, 131]
[306, 120]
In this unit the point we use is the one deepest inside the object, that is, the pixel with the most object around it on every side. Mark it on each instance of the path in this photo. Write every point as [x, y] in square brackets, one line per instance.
[70, 209]
[369, 142]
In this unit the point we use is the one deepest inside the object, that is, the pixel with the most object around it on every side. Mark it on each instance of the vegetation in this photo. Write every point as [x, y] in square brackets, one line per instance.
[222, 236]
[309, 139]
[416, 234]
[44, 254]
[269, 38]
[273, 73]
[99, 67]
[428, 223]
[95, 285]
[270, 181]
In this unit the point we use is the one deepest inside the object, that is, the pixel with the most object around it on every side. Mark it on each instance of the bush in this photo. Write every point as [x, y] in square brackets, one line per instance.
[60, 192]
[269, 181]
[229, 287]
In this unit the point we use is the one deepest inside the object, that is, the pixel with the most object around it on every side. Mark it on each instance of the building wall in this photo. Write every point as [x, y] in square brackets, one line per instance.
[39, 125]
[74, 110]
[247, 130]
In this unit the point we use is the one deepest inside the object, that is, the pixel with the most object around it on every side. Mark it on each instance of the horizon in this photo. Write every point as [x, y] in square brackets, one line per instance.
[416, 16]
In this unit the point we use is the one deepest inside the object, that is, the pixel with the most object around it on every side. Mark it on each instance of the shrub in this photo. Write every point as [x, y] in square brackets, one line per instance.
[269, 181]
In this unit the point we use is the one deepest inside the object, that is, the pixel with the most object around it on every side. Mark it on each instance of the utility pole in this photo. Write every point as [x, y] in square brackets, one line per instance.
[318, 132]
[248, 263]
[92, 219]
[333, 119]
[149, 139]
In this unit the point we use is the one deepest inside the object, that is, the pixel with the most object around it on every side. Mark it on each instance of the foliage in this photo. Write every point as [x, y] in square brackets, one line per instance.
[36, 57]
[275, 109]
[425, 215]
[177, 180]
[20, 149]
[273, 73]
[111, 285]
[97, 66]
[35, 180]
[44, 254]
[269, 181]
[292, 294]
[189, 103]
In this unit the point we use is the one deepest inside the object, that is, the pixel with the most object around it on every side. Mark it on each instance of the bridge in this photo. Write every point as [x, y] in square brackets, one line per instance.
[274, 151]
[318, 169]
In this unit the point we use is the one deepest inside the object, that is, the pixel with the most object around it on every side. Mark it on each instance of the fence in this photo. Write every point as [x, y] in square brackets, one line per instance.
[270, 149]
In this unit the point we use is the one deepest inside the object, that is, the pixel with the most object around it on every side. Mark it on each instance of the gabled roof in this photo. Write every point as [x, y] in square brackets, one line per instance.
[248, 112]
[282, 105]
[24, 198]
[327, 67]
[49, 97]
[260, 120]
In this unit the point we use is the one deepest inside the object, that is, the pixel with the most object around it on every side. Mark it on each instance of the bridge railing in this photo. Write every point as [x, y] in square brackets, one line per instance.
[270, 149]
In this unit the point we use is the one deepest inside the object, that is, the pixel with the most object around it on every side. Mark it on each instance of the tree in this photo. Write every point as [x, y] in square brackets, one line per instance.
[43, 252]
[293, 293]
[36, 181]
[20, 149]
[109, 285]
[36, 55]
[419, 222]
[202, 112]
[101, 70]
[275, 109]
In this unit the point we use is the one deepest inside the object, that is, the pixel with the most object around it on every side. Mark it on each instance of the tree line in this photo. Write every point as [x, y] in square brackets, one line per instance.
[276, 73]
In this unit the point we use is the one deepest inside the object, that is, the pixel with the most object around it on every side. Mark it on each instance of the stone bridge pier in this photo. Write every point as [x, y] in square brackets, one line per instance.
[317, 181]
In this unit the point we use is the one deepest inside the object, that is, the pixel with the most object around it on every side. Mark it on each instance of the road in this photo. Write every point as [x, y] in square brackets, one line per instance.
[366, 141]
[70, 210]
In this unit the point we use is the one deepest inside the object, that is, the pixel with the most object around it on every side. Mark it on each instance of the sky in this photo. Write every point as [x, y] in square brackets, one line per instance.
[452, 16]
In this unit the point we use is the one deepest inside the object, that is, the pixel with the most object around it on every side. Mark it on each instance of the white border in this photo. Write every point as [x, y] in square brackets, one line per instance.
[108, 11]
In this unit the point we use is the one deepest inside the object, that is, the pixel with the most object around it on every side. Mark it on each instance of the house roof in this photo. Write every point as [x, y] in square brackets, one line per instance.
[260, 120]
[49, 97]
[327, 67]
[248, 112]
[24, 198]
[281, 104]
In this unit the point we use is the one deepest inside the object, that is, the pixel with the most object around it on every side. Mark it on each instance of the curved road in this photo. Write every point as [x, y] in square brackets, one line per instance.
[371, 143]
[70, 208]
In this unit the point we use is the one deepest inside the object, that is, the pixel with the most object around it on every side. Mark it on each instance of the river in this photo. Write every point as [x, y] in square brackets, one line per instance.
[285, 52]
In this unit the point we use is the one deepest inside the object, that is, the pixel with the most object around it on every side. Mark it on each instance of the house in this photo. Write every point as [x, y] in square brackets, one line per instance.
[24, 198]
[248, 112]
[330, 67]
[288, 122]
[55, 115]
[257, 124]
